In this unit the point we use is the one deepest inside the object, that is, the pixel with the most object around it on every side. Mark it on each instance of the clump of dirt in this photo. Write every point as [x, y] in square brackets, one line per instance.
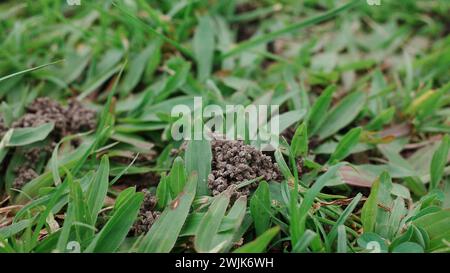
[147, 215]
[73, 119]
[26, 172]
[234, 162]
[24, 175]
[81, 119]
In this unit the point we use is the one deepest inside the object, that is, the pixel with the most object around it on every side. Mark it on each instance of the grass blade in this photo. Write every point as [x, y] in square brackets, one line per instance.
[342, 114]
[210, 224]
[345, 146]
[164, 233]
[198, 159]
[97, 190]
[295, 27]
[439, 161]
[117, 228]
[204, 45]
[28, 70]
[260, 206]
[260, 244]
[29, 135]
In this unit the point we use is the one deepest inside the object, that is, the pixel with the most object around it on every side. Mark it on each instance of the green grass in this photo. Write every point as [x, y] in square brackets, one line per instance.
[364, 90]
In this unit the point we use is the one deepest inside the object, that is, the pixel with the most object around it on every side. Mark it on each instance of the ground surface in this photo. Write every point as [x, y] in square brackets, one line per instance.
[88, 162]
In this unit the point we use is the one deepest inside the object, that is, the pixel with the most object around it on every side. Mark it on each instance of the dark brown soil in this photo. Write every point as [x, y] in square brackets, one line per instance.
[141, 181]
[24, 175]
[70, 120]
[246, 31]
[147, 215]
[234, 162]
[73, 119]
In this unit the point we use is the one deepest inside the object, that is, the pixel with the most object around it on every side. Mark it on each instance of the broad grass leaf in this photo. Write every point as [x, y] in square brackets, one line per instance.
[177, 176]
[287, 119]
[260, 207]
[397, 214]
[75, 64]
[439, 161]
[95, 82]
[210, 224]
[133, 140]
[260, 244]
[163, 193]
[385, 202]
[318, 111]
[383, 118]
[342, 239]
[14, 228]
[374, 218]
[304, 241]
[283, 166]
[25, 136]
[116, 229]
[342, 114]
[176, 81]
[194, 219]
[437, 226]
[345, 146]
[416, 186]
[299, 143]
[164, 233]
[77, 212]
[137, 68]
[413, 234]
[204, 45]
[124, 197]
[370, 209]
[408, 247]
[233, 232]
[50, 203]
[198, 159]
[73, 210]
[96, 193]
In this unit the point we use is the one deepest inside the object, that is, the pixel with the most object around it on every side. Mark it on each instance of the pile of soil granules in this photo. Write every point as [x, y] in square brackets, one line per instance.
[73, 119]
[234, 162]
[147, 215]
